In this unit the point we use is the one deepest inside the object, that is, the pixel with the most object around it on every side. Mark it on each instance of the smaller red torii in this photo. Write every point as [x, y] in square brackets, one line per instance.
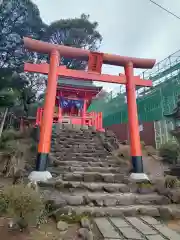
[95, 61]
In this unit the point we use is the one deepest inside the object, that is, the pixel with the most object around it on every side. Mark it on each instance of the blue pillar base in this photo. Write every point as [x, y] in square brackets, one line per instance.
[42, 162]
[137, 164]
[137, 173]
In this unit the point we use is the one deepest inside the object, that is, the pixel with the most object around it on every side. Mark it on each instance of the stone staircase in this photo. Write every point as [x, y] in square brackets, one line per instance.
[88, 179]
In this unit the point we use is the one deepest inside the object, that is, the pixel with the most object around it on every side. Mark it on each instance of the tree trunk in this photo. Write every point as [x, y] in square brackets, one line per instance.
[3, 121]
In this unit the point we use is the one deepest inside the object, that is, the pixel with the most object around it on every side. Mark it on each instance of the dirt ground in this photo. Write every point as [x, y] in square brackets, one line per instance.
[47, 231]
[174, 225]
[153, 167]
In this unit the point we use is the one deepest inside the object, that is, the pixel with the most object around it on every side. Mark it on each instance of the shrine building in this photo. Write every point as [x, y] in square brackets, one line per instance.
[73, 98]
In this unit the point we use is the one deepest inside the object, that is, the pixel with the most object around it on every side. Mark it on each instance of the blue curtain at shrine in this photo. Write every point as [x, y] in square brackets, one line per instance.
[69, 103]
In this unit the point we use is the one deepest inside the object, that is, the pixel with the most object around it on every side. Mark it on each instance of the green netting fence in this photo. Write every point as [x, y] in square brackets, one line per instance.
[152, 104]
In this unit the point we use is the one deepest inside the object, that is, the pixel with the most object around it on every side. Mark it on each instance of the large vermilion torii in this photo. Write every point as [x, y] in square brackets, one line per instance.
[95, 61]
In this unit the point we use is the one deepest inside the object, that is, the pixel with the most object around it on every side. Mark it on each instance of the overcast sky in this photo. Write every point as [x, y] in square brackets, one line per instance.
[128, 27]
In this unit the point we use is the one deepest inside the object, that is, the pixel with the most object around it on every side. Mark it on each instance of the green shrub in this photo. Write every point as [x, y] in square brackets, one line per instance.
[14, 147]
[3, 203]
[145, 185]
[10, 134]
[24, 204]
[170, 152]
[171, 182]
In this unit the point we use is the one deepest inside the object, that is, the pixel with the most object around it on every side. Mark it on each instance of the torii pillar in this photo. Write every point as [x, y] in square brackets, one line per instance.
[95, 61]
[134, 136]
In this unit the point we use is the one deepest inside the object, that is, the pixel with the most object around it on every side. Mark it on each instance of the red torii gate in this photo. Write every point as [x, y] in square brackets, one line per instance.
[95, 61]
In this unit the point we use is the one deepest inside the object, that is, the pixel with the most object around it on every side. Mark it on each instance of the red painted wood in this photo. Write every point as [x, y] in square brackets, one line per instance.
[89, 119]
[95, 62]
[77, 74]
[83, 54]
[85, 93]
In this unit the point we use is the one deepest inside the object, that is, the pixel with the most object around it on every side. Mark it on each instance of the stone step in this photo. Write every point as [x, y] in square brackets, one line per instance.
[170, 211]
[101, 187]
[80, 152]
[65, 169]
[80, 149]
[89, 153]
[76, 140]
[118, 199]
[88, 187]
[104, 199]
[73, 147]
[69, 157]
[75, 163]
[96, 177]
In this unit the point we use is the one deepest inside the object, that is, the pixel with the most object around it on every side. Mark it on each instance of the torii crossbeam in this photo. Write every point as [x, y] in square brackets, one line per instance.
[95, 61]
